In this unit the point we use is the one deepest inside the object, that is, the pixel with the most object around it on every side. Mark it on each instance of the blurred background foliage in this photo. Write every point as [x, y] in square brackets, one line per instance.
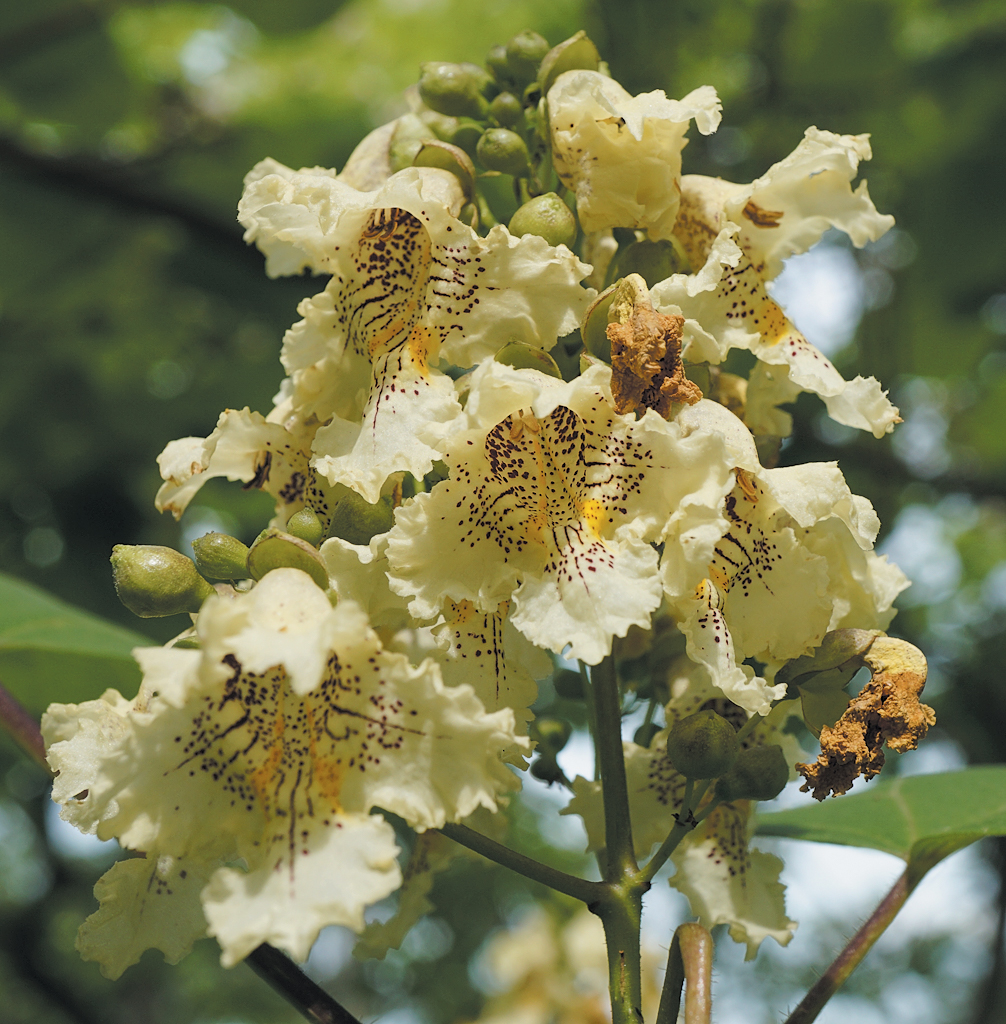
[131, 313]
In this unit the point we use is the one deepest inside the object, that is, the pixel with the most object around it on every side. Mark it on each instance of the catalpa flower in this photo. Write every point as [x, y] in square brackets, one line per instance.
[724, 879]
[789, 559]
[552, 501]
[411, 284]
[621, 154]
[272, 744]
[737, 237]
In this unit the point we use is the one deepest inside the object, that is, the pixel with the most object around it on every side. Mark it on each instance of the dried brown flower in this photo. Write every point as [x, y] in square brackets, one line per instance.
[887, 710]
[646, 367]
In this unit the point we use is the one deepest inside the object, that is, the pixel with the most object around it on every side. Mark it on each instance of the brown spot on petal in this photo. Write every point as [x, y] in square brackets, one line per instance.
[762, 218]
[646, 367]
[263, 463]
[887, 710]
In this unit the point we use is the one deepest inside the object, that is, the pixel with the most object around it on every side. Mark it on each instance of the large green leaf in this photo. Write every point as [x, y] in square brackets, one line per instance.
[922, 818]
[51, 651]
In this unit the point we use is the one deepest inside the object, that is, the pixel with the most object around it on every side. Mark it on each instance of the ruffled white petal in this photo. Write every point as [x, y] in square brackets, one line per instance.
[621, 154]
[145, 903]
[323, 873]
[727, 882]
[244, 446]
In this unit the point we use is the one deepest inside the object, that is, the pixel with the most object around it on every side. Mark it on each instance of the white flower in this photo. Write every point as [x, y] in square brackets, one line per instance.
[410, 284]
[552, 501]
[272, 743]
[737, 237]
[790, 559]
[621, 154]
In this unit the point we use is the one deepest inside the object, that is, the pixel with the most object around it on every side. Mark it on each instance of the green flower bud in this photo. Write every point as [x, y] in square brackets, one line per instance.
[465, 135]
[411, 131]
[653, 261]
[306, 526]
[153, 581]
[552, 734]
[275, 549]
[568, 685]
[524, 53]
[702, 746]
[573, 54]
[546, 768]
[434, 153]
[547, 216]
[506, 110]
[644, 734]
[526, 357]
[357, 521]
[221, 557]
[458, 90]
[497, 64]
[759, 773]
[594, 327]
[503, 150]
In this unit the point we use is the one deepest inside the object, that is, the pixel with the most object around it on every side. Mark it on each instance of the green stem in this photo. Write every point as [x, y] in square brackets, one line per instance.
[686, 822]
[620, 915]
[620, 857]
[860, 944]
[588, 693]
[578, 888]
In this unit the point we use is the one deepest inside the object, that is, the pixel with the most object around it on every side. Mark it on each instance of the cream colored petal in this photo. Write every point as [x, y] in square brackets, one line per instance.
[325, 872]
[245, 447]
[621, 154]
[728, 883]
[360, 573]
[145, 903]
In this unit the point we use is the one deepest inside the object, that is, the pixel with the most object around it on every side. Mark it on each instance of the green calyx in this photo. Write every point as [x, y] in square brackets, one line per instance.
[434, 153]
[306, 526]
[703, 745]
[526, 357]
[221, 557]
[548, 216]
[502, 150]
[759, 773]
[653, 261]
[573, 54]
[594, 326]
[643, 736]
[357, 521]
[458, 90]
[154, 581]
[524, 52]
[275, 549]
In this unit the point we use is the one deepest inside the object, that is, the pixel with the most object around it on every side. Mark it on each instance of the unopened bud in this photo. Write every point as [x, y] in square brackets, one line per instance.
[306, 526]
[502, 150]
[497, 64]
[552, 734]
[759, 773]
[153, 581]
[568, 685]
[355, 520]
[507, 110]
[702, 746]
[653, 261]
[221, 557]
[275, 549]
[465, 135]
[524, 53]
[547, 216]
[411, 131]
[455, 89]
[527, 357]
[644, 734]
[573, 54]
[546, 768]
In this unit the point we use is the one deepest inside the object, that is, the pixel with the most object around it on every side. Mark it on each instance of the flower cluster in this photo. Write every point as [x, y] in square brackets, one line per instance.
[494, 446]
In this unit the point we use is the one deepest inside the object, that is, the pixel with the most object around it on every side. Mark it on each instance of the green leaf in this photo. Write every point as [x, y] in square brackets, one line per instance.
[51, 651]
[922, 818]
